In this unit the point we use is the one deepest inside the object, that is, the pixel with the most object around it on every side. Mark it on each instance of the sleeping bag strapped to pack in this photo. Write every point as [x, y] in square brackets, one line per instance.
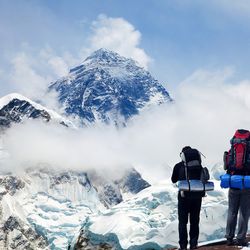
[235, 181]
[238, 157]
[195, 185]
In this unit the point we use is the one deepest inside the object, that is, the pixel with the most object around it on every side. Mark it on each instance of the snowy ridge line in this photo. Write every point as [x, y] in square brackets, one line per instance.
[8, 98]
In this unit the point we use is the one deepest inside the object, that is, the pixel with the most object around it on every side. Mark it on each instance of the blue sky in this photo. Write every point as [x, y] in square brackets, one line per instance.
[175, 38]
[198, 49]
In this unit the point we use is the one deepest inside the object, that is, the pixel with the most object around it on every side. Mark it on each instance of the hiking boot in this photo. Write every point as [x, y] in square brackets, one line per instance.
[193, 247]
[230, 242]
[182, 247]
[242, 243]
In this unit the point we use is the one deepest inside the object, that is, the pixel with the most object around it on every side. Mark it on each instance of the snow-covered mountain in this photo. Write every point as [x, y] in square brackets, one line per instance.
[109, 88]
[15, 108]
[106, 87]
[44, 208]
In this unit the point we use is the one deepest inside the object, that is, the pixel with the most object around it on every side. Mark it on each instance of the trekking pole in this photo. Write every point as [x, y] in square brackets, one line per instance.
[203, 155]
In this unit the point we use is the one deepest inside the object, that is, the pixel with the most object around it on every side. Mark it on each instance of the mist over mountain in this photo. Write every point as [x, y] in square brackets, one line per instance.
[106, 87]
[42, 200]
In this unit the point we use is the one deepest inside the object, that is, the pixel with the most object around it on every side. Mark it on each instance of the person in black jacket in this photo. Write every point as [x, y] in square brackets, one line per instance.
[189, 203]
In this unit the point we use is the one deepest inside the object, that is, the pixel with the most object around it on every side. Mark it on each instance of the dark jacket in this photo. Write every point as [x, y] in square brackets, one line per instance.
[244, 171]
[194, 173]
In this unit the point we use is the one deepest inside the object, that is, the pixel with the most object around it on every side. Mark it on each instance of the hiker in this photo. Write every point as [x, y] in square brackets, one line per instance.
[237, 162]
[189, 203]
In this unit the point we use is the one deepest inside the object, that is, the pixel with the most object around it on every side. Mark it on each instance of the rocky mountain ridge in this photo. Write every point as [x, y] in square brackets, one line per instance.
[15, 108]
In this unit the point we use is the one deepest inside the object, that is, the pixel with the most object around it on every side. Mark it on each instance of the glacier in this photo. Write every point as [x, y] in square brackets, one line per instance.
[54, 204]
[149, 219]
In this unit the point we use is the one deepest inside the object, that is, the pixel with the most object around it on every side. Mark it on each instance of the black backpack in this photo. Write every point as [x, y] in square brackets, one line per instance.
[191, 158]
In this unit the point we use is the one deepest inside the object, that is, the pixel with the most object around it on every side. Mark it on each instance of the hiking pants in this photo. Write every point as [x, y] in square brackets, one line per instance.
[238, 200]
[188, 207]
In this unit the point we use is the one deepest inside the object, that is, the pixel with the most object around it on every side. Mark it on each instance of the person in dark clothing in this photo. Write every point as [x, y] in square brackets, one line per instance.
[189, 203]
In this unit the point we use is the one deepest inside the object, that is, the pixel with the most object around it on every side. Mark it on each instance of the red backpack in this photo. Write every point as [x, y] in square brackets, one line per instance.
[238, 157]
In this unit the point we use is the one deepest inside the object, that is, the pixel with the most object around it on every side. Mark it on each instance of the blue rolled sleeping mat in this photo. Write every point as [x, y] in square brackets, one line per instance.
[235, 181]
[225, 180]
[195, 185]
[247, 182]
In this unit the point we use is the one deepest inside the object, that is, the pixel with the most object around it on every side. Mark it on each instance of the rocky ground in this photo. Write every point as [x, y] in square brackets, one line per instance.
[220, 245]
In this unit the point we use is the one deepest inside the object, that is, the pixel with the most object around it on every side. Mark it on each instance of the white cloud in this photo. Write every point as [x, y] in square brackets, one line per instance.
[119, 35]
[25, 78]
[31, 72]
[204, 115]
[57, 64]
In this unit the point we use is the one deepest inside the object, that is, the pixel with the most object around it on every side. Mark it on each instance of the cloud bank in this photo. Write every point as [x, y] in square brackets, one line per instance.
[208, 108]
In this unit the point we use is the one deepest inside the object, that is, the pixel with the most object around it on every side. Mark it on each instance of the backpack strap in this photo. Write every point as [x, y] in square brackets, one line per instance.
[187, 177]
[202, 178]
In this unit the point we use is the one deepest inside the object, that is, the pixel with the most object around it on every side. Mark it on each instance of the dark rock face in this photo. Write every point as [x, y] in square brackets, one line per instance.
[69, 177]
[109, 88]
[83, 242]
[132, 182]
[24, 237]
[11, 224]
[16, 110]
[10, 184]
[15, 233]
[110, 195]
[111, 190]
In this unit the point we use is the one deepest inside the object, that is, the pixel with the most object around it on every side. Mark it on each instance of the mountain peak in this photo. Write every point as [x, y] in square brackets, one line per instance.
[8, 98]
[107, 57]
[103, 52]
[108, 87]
